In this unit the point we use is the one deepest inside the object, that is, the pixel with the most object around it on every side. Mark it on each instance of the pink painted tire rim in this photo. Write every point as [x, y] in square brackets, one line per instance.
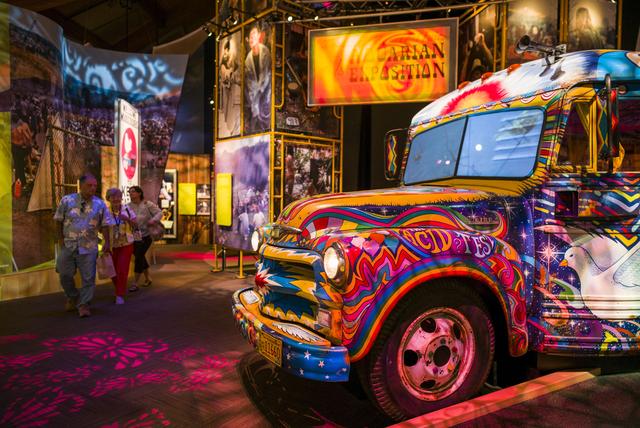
[436, 354]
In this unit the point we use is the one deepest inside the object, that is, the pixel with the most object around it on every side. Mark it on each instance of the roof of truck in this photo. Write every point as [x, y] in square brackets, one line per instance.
[535, 77]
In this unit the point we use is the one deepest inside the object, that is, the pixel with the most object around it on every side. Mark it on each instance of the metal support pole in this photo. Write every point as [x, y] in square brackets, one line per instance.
[241, 274]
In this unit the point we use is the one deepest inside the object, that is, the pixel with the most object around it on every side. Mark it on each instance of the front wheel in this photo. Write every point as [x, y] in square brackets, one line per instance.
[434, 350]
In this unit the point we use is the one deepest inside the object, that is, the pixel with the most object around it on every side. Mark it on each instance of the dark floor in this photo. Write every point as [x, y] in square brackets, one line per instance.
[170, 356]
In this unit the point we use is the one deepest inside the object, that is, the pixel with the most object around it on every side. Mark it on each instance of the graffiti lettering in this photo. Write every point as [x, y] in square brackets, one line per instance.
[479, 246]
[434, 241]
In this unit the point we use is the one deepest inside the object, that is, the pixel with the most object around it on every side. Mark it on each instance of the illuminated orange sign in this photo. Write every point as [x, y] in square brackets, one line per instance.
[399, 62]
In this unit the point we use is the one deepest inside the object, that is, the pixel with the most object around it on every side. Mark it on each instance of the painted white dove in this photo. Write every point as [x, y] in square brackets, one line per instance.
[609, 277]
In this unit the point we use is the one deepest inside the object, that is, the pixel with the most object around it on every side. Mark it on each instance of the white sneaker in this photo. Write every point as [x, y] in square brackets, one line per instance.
[119, 300]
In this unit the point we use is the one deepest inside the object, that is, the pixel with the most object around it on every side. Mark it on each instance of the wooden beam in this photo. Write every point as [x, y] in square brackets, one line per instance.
[498, 400]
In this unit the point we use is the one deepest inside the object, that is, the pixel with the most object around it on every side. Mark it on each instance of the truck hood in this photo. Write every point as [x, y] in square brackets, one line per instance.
[412, 206]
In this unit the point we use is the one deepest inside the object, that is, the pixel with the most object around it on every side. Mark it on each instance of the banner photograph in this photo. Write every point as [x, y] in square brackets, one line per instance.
[383, 63]
[128, 126]
[247, 159]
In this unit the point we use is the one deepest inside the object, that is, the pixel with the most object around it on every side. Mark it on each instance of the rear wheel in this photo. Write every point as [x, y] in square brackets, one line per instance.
[434, 350]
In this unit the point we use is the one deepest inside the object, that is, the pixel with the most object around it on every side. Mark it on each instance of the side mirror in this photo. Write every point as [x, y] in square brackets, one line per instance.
[608, 120]
[395, 142]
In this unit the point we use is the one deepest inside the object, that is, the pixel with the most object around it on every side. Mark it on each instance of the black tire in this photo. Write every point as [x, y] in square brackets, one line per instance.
[446, 308]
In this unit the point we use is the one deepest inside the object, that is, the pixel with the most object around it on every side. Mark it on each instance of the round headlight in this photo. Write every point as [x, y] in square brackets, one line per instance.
[255, 240]
[334, 263]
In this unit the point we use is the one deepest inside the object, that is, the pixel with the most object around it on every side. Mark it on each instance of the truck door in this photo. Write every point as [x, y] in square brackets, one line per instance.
[588, 254]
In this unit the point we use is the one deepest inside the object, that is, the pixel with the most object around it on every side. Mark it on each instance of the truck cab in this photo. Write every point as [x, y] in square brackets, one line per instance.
[514, 230]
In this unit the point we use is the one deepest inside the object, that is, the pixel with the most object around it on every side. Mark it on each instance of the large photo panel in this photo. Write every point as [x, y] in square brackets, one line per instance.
[383, 63]
[295, 116]
[247, 160]
[539, 20]
[476, 45]
[592, 25]
[307, 171]
[257, 77]
[229, 79]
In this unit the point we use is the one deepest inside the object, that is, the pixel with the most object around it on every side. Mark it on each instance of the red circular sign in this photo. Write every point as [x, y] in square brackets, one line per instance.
[129, 153]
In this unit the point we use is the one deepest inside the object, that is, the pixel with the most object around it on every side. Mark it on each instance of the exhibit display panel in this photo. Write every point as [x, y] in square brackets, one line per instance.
[291, 96]
[263, 119]
[46, 81]
[489, 33]
[248, 161]
[128, 146]
[167, 202]
[478, 43]
[384, 63]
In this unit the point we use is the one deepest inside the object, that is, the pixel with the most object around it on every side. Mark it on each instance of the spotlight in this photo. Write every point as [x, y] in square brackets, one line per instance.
[211, 102]
[315, 18]
[235, 21]
[209, 33]
[290, 18]
[218, 38]
[351, 24]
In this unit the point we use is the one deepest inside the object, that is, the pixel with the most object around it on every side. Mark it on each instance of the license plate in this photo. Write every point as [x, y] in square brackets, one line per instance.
[270, 348]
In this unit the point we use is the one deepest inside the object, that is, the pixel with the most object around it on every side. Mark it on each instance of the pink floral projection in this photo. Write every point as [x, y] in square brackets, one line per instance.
[154, 418]
[118, 383]
[5, 340]
[212, 370]
[183, 354]
[110, 346]
[71, 372]
[27, 381]
[37, 410]
[22, 361]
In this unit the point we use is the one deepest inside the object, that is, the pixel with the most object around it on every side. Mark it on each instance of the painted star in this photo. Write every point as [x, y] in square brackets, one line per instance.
[321, 364]
[301, 371]
[307, 354]
[288, 356]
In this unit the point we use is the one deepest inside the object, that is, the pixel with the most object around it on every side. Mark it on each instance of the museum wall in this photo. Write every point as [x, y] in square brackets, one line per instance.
[193, 169]
[46, 79]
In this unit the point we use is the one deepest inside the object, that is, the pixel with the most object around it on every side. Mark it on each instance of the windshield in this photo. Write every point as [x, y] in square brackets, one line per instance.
[501, 144]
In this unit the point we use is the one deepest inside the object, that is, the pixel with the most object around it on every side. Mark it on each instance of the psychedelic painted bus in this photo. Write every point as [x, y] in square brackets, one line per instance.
[514, 230]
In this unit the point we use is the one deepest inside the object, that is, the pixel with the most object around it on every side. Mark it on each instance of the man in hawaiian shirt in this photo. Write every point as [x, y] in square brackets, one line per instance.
[81, 216]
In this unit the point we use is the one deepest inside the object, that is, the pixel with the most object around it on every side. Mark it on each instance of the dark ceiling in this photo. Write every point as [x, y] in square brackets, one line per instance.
[123, 25]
